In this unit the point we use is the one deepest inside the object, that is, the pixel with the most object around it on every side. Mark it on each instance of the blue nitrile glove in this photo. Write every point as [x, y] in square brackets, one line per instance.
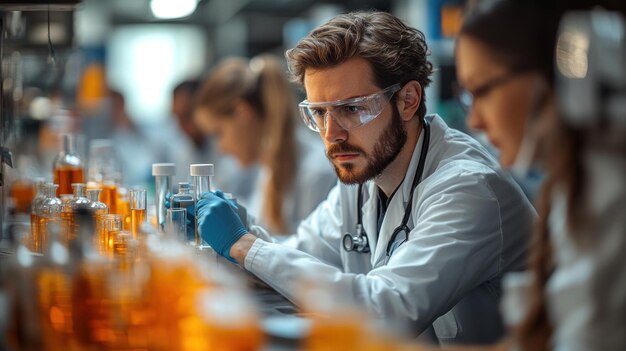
[242, 212]
[219, 224]
[221, 194]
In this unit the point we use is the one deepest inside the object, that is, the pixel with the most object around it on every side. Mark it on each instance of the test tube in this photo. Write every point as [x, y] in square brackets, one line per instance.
[137, 210]
[201, 174]
[163, 173]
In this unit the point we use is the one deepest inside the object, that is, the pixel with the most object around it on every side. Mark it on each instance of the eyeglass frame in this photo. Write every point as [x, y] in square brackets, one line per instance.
[463, 94]
[390, 91]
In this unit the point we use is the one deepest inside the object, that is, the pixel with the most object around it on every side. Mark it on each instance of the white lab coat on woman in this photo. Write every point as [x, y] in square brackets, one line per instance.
[470, 224]
[313, 181]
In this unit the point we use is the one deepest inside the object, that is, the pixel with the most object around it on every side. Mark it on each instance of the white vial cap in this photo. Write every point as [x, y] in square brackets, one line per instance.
[163, 169]
[201, 169]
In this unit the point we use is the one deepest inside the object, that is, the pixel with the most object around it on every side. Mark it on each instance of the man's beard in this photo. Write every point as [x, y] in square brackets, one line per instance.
[386, 149]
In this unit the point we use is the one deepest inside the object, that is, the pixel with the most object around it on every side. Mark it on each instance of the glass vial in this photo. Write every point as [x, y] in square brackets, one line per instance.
[137, 210]
[201, 174]
[163, 173]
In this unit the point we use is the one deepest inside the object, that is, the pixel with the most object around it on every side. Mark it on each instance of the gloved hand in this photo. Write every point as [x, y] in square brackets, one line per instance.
[218, 223]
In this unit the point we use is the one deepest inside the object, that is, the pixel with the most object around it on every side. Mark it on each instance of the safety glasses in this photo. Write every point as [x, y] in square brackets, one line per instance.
[348, 114]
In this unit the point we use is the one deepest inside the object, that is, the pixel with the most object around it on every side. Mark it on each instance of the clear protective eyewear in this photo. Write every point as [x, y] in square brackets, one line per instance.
[348, 114]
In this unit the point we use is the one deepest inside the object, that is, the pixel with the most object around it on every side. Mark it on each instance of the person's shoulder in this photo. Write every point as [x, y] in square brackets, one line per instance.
[455, 151]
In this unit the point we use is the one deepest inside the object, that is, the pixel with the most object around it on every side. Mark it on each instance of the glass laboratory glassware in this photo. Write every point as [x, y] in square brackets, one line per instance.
[78, 202]
[163, 173]
[34, 207]
[137, 210]
[53, 283]
[96, 207]
[68, 167]
[21, 329]
[91, 300]
[22, 191]
[107, 227]
[49, 212]
[103, 170]
[176, 224]
[184, 199]
[202, 175]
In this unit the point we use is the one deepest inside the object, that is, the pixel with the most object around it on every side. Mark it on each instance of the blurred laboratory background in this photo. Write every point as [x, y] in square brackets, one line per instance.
[101, 161]
[119, 75]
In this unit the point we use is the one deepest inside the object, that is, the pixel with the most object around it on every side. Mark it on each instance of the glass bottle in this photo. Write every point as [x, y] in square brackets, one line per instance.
[78, 202]
[68, 167]
[17, 277]
[184, 199]
[34, 207]
[163, 173]
[103, 171]
[201, 174]
[96, 207]
[53, 282]
[90, 296]
[49, 213]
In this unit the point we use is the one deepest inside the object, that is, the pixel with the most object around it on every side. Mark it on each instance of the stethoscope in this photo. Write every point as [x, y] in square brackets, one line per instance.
[359, 242]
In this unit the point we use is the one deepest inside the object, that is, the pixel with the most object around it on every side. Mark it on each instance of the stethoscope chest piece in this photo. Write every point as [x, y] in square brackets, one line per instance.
[358, 242]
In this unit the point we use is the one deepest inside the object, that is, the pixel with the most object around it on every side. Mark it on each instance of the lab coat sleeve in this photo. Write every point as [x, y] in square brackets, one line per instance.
[318, 234]
[454, 247]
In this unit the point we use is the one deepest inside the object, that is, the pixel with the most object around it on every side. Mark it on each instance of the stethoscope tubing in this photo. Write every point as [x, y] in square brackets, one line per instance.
[407, 211]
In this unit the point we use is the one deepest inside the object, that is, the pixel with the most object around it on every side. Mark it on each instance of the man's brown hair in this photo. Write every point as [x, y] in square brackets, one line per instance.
[396, 51]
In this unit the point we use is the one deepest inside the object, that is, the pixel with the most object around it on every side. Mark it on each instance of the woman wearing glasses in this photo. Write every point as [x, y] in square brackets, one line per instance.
[248, 106]
[573, 297]
[423, 224]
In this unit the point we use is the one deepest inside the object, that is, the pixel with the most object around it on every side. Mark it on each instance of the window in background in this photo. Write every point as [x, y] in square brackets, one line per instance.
[145, 62]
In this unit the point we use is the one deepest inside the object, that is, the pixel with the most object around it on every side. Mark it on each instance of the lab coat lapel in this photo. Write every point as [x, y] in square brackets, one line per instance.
[395, 211]
[369, 207]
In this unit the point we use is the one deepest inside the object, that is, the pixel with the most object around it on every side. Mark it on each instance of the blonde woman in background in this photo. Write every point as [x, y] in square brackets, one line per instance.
[248, 106]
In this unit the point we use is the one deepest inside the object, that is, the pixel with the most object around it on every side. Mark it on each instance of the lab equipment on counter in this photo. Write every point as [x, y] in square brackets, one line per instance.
[184, 199]
[202, 175]
[163, 173]
[137, 210]
[68, 167]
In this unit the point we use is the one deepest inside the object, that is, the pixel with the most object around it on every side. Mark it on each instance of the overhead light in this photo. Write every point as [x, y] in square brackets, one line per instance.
[167, 9]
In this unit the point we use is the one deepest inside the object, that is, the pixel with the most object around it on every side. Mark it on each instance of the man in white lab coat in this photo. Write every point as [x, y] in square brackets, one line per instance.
[433, 224]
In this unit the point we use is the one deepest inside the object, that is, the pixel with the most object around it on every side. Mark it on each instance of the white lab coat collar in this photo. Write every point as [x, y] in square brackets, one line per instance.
[395, 211]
